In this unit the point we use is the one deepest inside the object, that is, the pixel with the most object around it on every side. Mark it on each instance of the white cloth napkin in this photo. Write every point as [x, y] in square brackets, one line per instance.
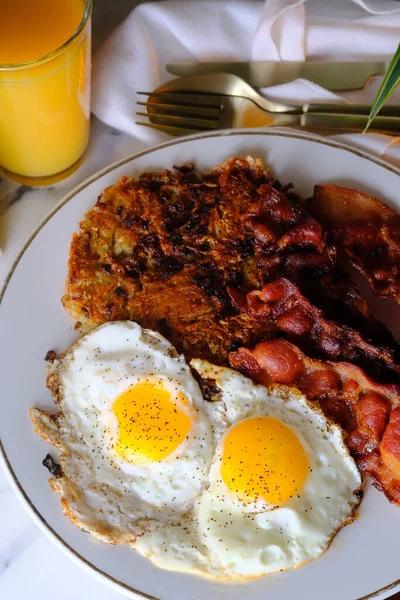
[134, 56]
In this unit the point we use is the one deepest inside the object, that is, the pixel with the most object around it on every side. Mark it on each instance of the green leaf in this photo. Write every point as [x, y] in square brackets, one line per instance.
[389, 84]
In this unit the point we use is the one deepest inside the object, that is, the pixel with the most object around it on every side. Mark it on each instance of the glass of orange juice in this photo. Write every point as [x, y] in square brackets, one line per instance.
[45, 54]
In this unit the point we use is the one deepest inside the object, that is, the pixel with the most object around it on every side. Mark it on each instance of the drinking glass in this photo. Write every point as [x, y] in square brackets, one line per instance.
[45, 110]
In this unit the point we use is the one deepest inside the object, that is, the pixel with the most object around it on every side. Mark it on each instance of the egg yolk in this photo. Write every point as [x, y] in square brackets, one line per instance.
[262, 459]
[152, 424]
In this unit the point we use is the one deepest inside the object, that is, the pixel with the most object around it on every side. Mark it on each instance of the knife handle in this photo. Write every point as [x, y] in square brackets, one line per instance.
[350, 123]
[354, 109]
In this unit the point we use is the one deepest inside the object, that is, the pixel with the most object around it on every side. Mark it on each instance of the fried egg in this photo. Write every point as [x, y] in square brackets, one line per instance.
[135, 439]
[281, 484]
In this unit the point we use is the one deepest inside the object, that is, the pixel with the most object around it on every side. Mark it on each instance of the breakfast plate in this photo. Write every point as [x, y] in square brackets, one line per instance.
[362, 561]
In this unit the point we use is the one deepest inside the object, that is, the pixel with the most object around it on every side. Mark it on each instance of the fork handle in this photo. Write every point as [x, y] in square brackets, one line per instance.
[349, 122]
[354, 109]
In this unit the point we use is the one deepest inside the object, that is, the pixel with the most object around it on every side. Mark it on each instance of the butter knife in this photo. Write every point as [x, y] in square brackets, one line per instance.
[330, 75]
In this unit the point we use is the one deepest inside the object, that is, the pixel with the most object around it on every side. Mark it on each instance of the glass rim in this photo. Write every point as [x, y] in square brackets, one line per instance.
[43, 59]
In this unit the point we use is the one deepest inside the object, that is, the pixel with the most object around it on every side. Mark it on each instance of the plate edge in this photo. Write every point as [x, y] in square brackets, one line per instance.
[11, 476]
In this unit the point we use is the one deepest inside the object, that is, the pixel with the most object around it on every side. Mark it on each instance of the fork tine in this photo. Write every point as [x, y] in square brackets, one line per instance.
[174, 109]
[171, 130]
[180, 120]
[186, 98]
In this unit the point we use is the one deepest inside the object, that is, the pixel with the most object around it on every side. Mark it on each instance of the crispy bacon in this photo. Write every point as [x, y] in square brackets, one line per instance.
[369, 412]
[367, 230]
[291, 243]
[280, 303]
[335, 293]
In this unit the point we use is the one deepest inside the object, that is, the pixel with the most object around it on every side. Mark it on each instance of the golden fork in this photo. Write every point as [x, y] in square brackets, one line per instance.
[183, 106]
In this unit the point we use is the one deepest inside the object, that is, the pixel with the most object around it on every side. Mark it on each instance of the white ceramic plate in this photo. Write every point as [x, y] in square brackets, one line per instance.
[363, 560]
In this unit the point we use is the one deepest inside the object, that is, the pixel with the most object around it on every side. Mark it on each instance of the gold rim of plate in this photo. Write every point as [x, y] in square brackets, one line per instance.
[9, 471]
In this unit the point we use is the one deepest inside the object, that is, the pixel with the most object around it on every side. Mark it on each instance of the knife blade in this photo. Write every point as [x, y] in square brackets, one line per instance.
[330, 75]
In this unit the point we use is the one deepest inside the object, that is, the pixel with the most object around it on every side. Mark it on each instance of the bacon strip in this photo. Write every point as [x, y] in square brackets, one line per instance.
[367, 230]
[294, 317]
[368, 411]
[290, 243]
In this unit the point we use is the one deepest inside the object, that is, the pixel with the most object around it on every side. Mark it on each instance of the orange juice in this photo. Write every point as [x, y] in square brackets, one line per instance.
[44, 85]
